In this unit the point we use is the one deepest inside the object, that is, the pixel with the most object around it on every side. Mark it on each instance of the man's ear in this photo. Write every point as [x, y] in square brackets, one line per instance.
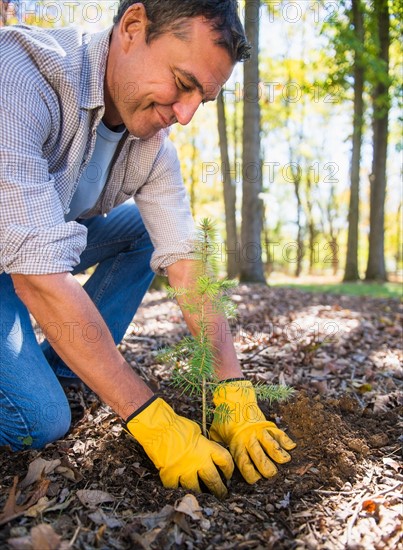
[133, 25]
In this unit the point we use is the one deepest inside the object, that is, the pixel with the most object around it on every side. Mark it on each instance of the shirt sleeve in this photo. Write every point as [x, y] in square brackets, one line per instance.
[34, 238]
[165, 210]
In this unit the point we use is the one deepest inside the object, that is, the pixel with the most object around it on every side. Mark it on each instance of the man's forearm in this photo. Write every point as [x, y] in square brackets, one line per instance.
[79, 335]
[182, 275]
[226, 363]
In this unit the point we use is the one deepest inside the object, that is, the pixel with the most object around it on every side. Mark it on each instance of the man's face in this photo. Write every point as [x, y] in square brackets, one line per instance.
[151, 86]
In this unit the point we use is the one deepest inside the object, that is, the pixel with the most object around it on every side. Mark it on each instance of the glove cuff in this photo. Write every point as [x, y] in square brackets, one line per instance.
[151, 427]
[139, 410]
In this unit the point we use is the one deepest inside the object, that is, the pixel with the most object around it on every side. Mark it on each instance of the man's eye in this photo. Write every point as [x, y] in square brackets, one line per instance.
[182, 86]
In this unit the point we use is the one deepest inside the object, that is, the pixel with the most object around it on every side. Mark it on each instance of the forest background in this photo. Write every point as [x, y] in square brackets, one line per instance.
[299, 161]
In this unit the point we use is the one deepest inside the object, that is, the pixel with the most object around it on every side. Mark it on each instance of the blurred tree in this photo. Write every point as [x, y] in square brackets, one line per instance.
[346, 32]
[334, 230]
[251, 262]
[312, 228]
[3, 12]
[381, 102]
[397, 237]
[357, 43]
[360, 34]
[229, 190]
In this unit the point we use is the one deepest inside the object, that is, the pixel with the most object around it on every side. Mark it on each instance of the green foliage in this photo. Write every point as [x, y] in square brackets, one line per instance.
[349, 49]
[272, 393]
[193, 359]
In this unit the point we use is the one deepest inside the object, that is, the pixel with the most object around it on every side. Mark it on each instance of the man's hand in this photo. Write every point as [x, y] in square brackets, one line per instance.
[178, 449]
[241, 425]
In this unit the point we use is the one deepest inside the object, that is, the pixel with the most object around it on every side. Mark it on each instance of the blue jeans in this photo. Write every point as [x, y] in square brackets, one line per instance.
[33, 406]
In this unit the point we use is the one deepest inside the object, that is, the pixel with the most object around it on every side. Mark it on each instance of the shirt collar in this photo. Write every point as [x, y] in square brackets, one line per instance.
[94, 68]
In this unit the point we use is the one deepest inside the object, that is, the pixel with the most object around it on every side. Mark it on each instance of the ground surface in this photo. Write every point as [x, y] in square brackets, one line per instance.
[97, 488]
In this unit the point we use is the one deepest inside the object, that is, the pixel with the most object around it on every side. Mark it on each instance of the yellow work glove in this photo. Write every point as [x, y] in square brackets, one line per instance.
[249, 436]
[178, 449]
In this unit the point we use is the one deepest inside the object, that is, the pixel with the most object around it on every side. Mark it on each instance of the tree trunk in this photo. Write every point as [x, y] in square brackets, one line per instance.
[333, 232]
[312, 231]
[269, 259]
[3, 12]
[252, 206]
[300, 231]
[399, 251]
[229, 189]
[351, 269]
[381, 105]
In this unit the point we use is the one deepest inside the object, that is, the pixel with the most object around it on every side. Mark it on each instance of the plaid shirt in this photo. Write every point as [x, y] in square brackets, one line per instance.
[51, 101]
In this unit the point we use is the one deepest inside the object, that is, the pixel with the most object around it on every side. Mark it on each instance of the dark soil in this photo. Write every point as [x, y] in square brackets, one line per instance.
[342, 488]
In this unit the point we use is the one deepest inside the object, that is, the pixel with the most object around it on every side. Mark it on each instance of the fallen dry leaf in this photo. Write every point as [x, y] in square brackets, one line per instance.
[43, 504]
[39, 491]
[44, 538]
[41, 537]
[392, 463]
[369, 506]
[157, 518]
[146, 539]
[60, 506]
[189, 506]
[303, 469]
[20, 543]
[68, 471]
[91, 498]
[37, 469]
[100, 518]
[12, 510]
[181, 521]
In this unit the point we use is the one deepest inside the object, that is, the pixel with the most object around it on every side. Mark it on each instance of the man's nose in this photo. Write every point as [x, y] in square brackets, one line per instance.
[185, 109]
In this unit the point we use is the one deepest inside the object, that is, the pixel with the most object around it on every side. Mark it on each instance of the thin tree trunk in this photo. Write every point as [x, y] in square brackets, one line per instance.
[334, 246]
[300, 232]
[3, 12]
[252, 206]
[229, 192]
[381, 104]
[266, 237]
[399, 226]
[351, 269]
[312, 231]
[236, 131]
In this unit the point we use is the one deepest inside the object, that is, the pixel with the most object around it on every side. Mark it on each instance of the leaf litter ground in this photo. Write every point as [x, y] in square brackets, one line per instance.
[97, 489]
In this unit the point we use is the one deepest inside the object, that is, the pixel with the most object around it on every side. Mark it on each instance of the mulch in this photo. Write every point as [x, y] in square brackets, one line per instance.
[96, 488]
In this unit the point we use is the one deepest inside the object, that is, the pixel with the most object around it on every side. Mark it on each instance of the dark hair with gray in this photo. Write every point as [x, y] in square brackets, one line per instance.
[171, 15]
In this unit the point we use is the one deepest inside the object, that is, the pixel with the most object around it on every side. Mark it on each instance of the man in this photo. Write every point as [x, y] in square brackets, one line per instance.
[83, 128]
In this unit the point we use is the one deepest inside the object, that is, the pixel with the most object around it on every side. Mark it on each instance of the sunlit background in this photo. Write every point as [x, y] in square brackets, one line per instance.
[306, 122]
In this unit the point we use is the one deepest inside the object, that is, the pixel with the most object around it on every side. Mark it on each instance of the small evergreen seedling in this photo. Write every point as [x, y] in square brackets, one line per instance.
[193, 358]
